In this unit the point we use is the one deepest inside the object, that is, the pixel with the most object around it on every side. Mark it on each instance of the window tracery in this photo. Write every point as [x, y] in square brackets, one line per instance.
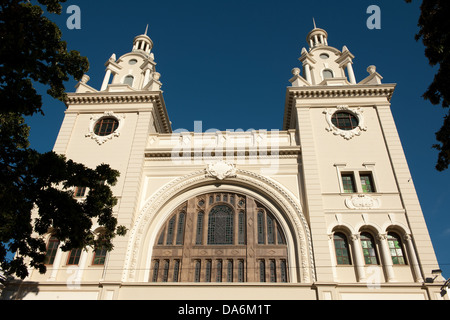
[220, 237]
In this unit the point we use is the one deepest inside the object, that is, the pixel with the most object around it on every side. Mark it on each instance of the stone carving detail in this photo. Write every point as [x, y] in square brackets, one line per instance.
[362, 201]
[101, 140]
[221, 170]
[346, 134]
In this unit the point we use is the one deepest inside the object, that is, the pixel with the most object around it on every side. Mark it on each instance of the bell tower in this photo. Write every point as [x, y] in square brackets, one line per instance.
[112, 125]
[354, 173]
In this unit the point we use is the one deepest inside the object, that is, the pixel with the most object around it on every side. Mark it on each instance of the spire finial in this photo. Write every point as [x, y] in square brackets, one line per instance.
[146, 30]
[314, 22]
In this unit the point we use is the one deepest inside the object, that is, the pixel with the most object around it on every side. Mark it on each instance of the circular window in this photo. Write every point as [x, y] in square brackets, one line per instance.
[324, 56]
[106, 126]
[345, 120]
[132, 61]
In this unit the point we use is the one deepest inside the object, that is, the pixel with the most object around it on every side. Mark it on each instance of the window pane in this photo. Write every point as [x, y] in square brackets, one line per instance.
[396, 249]
[367, 183]
[220, 225]
[368, 245]
[341, 247]
[348, 183]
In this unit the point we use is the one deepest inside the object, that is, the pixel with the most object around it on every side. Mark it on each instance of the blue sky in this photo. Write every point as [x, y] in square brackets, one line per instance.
[228, 64]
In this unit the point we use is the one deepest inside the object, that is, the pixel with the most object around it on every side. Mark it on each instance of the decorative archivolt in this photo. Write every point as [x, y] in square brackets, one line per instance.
[287, 202]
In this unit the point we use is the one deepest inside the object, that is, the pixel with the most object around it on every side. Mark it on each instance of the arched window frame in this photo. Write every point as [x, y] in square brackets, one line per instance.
[206, 259]
[396, 248]
[327, 71]
[369, 248]
[128, 80]
[342, 248]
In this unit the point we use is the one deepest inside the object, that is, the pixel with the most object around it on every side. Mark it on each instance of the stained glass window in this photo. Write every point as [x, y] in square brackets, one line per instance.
[369, 249]
[367, 182]
[348, 182]
[396, 249]
[341, 248]
[220, 225]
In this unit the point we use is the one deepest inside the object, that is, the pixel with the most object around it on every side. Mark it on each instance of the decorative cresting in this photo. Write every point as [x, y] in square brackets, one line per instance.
[102, 139]
[287, 203]
[346, 134]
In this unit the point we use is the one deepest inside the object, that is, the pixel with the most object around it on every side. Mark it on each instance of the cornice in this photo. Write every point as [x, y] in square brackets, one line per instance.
[330, 92]
[112, 97]
[101, 98]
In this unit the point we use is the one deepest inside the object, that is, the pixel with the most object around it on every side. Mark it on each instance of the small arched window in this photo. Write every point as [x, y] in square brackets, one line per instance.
[128, 80]
[369, 248]
[396, 248]
[327, 74]
[341, 248]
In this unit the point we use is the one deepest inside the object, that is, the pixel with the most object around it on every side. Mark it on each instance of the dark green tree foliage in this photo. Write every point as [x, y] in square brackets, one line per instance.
[434, 31]
[36, 190]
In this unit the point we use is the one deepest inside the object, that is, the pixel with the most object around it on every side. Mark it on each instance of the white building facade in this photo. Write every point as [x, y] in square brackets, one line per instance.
[323, 209]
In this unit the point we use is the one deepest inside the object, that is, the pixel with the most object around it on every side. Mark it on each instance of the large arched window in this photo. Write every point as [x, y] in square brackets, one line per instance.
[220, 237]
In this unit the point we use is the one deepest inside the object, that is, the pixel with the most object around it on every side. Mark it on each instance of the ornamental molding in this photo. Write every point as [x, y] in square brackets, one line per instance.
[346, 134]
[288, 204]
[362, 201]
[96, 98]
[110, 114]
[221, 170]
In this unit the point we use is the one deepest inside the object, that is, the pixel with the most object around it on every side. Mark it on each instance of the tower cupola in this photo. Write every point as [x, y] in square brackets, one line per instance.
[317, 37]
[143, 43]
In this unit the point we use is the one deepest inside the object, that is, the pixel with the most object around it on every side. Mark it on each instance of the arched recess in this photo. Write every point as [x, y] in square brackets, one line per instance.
[282, 204]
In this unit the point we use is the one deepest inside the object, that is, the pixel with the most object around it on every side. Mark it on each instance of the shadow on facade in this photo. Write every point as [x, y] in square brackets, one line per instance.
[13, 289]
